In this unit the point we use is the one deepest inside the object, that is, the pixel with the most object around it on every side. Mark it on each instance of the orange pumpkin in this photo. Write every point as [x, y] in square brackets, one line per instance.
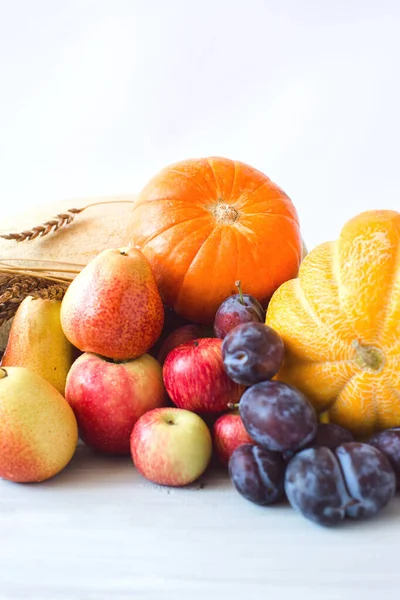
[203, 224]
[340, 322]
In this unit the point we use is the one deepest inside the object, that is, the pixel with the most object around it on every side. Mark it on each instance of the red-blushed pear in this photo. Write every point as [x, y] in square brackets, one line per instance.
[171, 446]
[195, 377]
[228, 434]
[108, 398]
[37, 341]
[38, 429]
[113, 307]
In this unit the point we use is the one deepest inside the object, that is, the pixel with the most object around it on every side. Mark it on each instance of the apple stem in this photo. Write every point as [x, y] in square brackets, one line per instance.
[233, 406]
[239, 287]
[3, 373]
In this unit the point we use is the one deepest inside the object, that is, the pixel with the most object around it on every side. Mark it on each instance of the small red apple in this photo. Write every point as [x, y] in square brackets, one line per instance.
[171, 446]
[180, 336]
[228, 434]
[172, 321]
[108, 398]
[195, 378]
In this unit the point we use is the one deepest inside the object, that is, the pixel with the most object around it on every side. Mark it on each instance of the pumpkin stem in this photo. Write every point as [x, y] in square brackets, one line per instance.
[239, 287]
[368, 357]
[224, 214]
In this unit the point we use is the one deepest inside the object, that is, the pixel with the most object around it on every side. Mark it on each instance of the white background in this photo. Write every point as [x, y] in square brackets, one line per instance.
[96, 96]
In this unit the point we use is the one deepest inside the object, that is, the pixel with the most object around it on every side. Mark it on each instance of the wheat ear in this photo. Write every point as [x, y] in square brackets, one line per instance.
[15, 287]
[52, 225]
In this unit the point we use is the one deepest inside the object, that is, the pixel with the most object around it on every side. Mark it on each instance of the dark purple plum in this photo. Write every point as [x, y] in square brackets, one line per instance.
[388, 442]
[252, 352]
[329, 435]
[369, 478]
[235, 310]
[277, 416]
[356, 481]
[257, 474]
[314, 486]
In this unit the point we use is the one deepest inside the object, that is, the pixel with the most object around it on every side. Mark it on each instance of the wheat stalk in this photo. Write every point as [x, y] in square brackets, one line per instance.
[15, 287]
[57, 271]
[52, 225]
[18, 281]
[60, 220]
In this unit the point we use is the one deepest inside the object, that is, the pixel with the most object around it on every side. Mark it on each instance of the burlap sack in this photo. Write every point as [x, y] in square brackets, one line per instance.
[93, 230]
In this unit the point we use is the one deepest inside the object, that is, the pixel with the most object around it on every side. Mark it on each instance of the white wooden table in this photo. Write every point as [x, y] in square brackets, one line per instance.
[99, 531]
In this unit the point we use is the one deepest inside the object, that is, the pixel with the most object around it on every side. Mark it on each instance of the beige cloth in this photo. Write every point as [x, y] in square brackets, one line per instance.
[93, 230]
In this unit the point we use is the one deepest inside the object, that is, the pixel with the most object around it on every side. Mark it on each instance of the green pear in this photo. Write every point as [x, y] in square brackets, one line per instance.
[37, 341]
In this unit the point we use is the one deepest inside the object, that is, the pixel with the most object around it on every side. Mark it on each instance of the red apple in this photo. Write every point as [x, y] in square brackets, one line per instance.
[171, 446]
[172, 321]
[195, 377]
[228, 434]
[180, 336]
[109, 397]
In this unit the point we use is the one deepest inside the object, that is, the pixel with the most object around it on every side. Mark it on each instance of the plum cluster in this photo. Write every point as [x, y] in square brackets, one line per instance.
[323, 472]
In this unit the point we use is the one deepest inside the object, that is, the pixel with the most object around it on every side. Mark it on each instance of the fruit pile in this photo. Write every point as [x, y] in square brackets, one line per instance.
[293, 387]
[325, 474]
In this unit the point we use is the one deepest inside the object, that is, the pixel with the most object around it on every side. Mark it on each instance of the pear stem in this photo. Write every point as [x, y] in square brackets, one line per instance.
[239, 287]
